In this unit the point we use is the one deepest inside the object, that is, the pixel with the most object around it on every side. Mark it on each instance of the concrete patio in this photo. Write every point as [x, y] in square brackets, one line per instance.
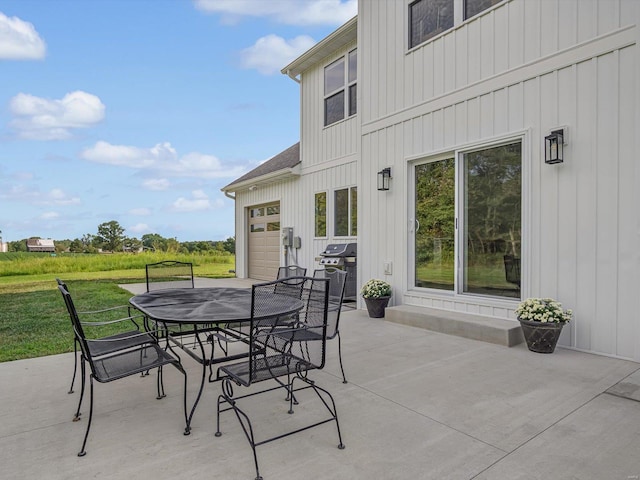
[418, 405]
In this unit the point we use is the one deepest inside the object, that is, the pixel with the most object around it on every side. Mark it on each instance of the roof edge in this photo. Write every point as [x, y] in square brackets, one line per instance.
[270, 177]
[342, 36]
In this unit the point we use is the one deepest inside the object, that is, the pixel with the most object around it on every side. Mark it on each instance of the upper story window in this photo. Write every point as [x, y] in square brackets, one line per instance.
[428, 18]
[340, 88]
[474, 7]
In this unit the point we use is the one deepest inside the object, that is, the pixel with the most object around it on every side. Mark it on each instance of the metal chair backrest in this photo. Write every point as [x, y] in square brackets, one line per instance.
[169, 274]
[302, 355]
[76, 324]
[291, 271]
[337, 282]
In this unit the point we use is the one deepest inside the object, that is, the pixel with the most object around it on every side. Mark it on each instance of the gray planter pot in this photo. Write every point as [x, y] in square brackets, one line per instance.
[541, 337]
[376, 306]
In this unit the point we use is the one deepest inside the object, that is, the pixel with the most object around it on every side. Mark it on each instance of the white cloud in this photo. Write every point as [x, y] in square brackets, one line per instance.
[49, 215]
[290, 12]
[269, 54]
[127, 156]
[19, 40]
[157, 184]
[198, 202]
[37, 118]
[140, 212]
[139, 228]
[162, 159]
[55, 196]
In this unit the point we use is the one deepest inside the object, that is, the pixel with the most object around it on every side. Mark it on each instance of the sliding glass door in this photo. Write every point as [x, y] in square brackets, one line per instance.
[467, 240]
[435, 224]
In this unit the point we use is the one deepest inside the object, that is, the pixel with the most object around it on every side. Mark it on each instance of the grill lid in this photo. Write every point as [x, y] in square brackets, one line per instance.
[340, 250]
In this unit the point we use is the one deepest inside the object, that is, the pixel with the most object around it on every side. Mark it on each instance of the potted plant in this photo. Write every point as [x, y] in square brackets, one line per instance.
[541, 320]
[376, 294]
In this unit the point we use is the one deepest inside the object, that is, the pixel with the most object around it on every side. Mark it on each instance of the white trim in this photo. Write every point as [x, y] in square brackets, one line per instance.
[457, 295]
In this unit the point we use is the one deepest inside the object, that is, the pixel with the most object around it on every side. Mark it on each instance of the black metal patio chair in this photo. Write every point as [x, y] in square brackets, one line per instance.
[123, 360]
[132, 336]
[273, 354]
[337, 282]
[512, 269]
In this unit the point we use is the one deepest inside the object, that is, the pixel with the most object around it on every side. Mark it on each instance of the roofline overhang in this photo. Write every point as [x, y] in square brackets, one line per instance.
[271, 177]
[341, 37]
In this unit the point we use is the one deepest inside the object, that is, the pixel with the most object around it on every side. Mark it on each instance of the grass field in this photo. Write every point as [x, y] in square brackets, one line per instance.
[33, 319]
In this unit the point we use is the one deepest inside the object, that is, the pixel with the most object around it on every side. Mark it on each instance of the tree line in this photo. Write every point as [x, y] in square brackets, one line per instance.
[111, 237]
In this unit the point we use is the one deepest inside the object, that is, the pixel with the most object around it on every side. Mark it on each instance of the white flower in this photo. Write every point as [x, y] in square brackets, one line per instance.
[375, 288]
[543, 310]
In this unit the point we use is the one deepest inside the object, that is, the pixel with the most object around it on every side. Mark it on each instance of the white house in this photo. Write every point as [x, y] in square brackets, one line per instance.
[458, 100]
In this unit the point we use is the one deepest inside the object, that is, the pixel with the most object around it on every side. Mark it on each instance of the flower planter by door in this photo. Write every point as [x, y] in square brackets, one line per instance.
[541, 337]
[376, 306]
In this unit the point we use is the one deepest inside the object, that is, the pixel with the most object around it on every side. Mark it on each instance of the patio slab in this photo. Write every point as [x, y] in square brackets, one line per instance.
[419, 404]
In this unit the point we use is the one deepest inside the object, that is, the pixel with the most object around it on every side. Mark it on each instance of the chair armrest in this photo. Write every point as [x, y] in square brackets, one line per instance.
[123, 338]
[91, 312]
[110, 322]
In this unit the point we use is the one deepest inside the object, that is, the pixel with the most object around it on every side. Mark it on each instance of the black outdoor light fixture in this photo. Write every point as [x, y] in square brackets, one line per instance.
[554, 147]
[383, 179]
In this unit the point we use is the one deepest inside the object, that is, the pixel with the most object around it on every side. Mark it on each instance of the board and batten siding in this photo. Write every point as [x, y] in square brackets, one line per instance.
[321, 144]
[524, 77]
[297, 210]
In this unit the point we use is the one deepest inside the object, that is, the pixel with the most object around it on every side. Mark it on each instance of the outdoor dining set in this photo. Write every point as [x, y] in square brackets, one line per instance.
[274, 332]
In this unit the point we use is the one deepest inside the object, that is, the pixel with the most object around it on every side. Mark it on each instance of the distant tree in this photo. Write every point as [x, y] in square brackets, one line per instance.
[131, 244]
[111, 235]
[172, 245]
[230, 245]
[18, 246]
[76, 246]
[62, 245]
[153, 241]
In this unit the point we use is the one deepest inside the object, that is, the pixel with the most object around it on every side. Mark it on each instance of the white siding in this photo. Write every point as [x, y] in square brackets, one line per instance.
[510, 71]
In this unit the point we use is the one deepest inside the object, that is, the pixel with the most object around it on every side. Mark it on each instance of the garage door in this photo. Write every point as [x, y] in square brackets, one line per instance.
[264, 241]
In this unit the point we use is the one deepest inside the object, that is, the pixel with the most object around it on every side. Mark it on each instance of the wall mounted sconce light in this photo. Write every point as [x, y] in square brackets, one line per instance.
[554, 147]
[253, 188]
[383, 179]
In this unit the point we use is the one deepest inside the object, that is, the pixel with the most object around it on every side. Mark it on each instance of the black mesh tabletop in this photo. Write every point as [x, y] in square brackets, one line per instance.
[205, 305]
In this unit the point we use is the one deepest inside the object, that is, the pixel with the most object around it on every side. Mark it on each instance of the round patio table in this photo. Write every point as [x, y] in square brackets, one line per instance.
[199, 310]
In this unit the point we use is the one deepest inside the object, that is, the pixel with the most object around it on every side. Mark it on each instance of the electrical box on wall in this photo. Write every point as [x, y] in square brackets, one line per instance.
[388, 268]
[287, 236]
[297, 242]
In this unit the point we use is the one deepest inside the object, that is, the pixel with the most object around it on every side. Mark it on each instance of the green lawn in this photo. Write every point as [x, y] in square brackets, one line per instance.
[34, 321]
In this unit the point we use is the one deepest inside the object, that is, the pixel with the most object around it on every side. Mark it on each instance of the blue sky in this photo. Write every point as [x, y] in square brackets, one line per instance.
[139, 111]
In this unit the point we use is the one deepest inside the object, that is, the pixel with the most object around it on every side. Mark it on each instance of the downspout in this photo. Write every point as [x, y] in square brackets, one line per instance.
[292, 77]
[235, 230]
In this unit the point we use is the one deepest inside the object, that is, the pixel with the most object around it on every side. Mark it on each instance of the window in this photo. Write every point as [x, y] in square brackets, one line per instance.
[345, 212]
[474, 255]
[474, 7]
[428, 18]
[337, 75]
[321, 214]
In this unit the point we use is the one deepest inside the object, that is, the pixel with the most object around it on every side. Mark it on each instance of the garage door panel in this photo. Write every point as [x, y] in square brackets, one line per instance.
[264, 241]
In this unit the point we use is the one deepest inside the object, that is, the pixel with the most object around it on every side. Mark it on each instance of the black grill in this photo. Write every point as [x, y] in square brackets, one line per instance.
[343, 256]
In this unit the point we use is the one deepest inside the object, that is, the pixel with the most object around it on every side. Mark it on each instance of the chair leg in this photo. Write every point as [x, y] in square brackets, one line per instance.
[187, 429]
[83, 373]
[344, 379]
[75, 364]
[82, 452]
[245, 422]
[331, 408]
[160, 383]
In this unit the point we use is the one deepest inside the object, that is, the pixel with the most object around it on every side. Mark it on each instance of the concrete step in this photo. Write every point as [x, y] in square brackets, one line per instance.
[467, 325]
